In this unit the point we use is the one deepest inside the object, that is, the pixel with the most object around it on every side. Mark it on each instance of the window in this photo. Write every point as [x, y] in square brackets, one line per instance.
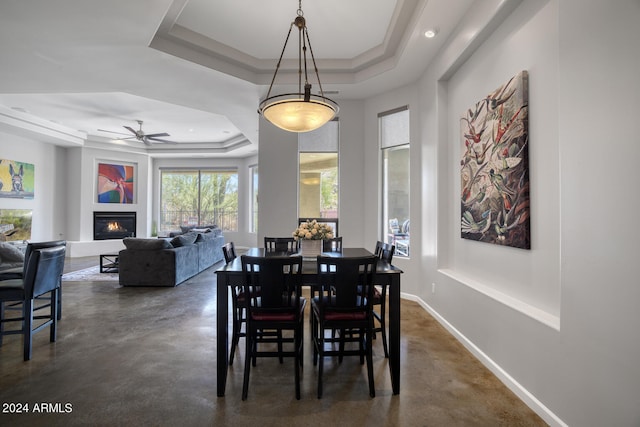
[394, 144]
[198, 197]
[318, 165]
[253, 227]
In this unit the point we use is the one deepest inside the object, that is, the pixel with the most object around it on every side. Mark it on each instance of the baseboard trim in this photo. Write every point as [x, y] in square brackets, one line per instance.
[529, 399]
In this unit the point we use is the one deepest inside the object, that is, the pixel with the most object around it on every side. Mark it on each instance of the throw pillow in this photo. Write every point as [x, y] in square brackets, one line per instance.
[9, 253]
[146, 244]
[184, 239]
[201, 230]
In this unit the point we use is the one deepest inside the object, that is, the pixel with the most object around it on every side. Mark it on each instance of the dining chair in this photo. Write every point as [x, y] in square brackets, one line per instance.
[41, 276]
[238, 303]
[281, 244]
[332, 245]
[344, 304]
[278, 306]
[385, 252]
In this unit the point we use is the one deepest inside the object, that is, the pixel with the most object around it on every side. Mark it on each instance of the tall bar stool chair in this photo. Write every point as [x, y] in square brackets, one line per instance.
[344, 304]
[42, 275]
[278, 306]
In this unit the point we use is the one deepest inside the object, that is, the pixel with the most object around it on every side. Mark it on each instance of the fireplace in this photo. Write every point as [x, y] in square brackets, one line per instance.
[113, 225]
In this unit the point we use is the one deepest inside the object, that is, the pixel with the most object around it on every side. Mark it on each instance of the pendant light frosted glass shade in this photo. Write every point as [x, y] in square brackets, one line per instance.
[302, 111]
[293, 113]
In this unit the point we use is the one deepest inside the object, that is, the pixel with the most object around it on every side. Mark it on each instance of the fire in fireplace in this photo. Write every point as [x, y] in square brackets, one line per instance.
[114, 225]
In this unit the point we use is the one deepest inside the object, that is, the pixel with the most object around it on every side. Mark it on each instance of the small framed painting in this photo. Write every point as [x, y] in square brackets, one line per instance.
[116, 183]
[494, 168]
[16, 179]
[15, 225]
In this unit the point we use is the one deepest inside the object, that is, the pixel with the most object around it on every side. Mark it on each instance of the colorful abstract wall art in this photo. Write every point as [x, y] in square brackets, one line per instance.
[495, 167]
[16, 179]
[15, 224]
[115, 183]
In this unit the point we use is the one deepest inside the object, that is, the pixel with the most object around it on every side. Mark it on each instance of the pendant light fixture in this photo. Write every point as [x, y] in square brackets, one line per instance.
[302, 111]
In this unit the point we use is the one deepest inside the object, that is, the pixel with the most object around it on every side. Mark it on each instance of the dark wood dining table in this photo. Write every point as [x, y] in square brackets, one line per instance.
[231, 275]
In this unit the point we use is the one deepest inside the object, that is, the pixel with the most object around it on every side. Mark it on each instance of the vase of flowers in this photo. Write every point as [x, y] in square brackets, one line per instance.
[311, 234]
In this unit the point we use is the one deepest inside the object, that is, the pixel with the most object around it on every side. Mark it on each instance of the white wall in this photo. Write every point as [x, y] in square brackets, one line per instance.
[556, 323]
[48, 221]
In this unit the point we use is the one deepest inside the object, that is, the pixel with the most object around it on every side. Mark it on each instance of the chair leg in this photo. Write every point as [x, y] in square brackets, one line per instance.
[314, 337]
[249, 337]
[53, 331]
[1, 321]
[320, 344]
[369, 347]
[298, 356]
[59, 300]
[27, 312]
[383, 321]
[235, 338]
[279, 336]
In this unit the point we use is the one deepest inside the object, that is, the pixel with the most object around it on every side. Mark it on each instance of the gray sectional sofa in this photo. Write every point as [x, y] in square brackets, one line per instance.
[169, 262]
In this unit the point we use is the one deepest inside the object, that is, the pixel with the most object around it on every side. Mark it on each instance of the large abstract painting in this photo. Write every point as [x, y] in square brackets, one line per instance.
[16, 179]
[15, 224]
[494, 167]
[115, 183]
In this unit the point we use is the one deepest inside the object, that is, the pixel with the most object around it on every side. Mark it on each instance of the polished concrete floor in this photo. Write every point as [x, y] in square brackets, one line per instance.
[146, 357]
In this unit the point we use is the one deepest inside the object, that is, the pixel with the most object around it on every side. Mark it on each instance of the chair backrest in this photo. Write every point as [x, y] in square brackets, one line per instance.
[332, 245]
[44, 269]
[281, 244]
[279, 280]
[386, 252]
[229, 252]
[346, 284]
[378, 249]
[39, 245]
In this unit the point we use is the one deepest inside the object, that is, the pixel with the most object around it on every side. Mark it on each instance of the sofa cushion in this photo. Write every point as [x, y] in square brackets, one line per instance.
[201, 230]
[9, 253]
[146, 244]
[184, 239]
[205, 236]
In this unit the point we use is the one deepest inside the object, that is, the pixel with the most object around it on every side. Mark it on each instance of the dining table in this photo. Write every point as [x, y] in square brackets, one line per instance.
[231, 275]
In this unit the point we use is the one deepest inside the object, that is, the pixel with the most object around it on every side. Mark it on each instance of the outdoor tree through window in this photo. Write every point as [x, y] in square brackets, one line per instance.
[198, 198]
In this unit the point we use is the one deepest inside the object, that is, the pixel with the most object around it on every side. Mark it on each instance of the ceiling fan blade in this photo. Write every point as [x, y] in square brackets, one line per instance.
[130, 129]
[146, 141]
[153, 135]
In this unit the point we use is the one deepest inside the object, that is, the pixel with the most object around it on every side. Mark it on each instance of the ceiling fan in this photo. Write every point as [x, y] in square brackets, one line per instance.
[147, 139]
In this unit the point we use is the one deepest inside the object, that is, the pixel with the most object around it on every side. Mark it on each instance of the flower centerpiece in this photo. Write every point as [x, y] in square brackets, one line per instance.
[311, 233]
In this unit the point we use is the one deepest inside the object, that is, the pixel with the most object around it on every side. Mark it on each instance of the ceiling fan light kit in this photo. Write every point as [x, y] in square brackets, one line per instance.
[302, 111]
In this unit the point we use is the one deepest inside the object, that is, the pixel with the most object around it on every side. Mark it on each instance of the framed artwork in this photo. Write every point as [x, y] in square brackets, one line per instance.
[16, 179]
[116, 183]
[15, 224]
[494, 168]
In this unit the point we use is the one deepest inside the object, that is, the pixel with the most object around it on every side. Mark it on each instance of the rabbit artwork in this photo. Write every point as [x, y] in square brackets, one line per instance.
[16, 179]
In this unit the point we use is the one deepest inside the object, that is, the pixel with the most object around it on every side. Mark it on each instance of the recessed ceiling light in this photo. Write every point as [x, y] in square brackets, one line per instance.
[431, 33]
